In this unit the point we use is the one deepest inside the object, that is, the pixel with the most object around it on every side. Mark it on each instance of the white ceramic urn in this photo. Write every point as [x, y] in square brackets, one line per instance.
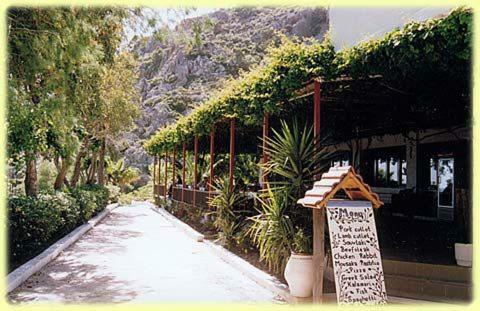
[299, 275]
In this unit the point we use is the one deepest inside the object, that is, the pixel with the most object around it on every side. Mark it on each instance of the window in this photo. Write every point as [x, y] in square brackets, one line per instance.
[389, 171]
[380, 171]
[342, 160]
[445, 182]
[442, 178]
[340, 163]
[433, 172]
[394, 170]
[404, 172]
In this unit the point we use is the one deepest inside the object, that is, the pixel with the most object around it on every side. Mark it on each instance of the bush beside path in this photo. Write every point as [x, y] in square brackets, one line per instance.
[36, 223]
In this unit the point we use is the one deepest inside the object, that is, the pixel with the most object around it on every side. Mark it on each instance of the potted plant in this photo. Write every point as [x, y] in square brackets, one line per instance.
[463, 248]
[299, 268]
[283, 245]
[282, 230]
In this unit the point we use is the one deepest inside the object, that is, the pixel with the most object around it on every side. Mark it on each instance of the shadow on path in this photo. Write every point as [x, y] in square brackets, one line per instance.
[71, 278]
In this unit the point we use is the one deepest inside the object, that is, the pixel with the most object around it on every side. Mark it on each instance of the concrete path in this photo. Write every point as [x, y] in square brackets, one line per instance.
[134, 254]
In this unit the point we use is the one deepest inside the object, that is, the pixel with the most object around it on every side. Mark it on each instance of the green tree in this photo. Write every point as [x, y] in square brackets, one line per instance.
[119, 98]
[55, 58]
[39, 61]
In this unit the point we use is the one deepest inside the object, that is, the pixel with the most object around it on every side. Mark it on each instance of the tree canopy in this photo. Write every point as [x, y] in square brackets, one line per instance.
[67, 83]
[53, 54]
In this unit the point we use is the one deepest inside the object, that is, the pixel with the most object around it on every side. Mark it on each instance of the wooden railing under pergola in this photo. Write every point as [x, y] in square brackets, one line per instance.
[193, 196]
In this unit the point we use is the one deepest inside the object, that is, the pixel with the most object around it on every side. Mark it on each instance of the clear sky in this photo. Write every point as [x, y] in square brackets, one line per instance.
[163, 17]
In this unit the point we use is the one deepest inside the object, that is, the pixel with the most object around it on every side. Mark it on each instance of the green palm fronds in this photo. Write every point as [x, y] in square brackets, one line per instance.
[119, 174]
[225, 202]
[272, 229]
[295, 156]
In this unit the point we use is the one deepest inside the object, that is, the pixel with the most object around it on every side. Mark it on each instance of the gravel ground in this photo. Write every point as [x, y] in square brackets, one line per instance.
[134, 254]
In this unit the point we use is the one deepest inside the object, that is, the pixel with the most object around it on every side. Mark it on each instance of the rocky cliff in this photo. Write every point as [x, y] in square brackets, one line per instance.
[180, 68]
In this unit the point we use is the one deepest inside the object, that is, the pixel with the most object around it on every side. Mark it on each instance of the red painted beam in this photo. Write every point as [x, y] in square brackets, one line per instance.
[154, 168]
[153, 178]
[212, 158]
[316, 109]
[232, 153]
[195, 168]
[166, 173]
[159, 180]
[318, 216]
[266, 126]
[173, 169]
[184, 152]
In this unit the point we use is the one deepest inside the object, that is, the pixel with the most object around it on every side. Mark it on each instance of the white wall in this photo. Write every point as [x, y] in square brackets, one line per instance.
[350, 25]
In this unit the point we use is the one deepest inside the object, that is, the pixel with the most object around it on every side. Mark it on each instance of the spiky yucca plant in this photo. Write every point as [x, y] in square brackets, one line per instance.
[282, 227]
[225, 202]
[295, 157]
[272, 229]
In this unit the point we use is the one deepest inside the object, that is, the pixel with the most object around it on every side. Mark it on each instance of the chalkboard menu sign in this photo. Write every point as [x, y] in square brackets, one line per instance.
[356, 258]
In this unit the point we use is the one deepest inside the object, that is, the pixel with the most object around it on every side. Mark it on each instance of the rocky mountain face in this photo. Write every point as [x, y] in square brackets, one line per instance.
[180, 68]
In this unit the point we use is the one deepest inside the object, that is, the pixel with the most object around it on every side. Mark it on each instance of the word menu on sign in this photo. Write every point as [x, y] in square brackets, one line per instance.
[356, 257]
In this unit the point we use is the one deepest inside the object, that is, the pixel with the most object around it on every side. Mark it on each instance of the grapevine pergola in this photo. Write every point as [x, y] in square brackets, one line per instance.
[414, 78]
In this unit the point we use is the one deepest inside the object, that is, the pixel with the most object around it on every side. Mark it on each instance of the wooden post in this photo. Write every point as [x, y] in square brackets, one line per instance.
[153, 178]
[173, 169]
[232, 153]
[266, 126]
[166, 173]
[212, 158]
[195, 168]
[316, 109]
[318, 215]
[184, 152]
[154, 168]
[159, 171]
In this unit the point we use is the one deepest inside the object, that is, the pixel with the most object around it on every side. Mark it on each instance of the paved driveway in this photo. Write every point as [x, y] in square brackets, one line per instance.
[135, 254]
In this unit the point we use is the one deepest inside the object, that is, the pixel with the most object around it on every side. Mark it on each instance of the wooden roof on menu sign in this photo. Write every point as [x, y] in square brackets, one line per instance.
[339, 178]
